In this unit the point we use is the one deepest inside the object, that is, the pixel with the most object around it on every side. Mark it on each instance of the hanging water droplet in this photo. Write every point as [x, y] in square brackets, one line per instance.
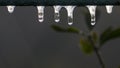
[57, 14]
[10, 9]
[109, 8]
[40, 13]
[70, 10]
[92, 10]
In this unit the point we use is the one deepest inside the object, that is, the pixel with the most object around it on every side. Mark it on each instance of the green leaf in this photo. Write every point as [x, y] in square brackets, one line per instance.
[68, 30]
[72, 30]
[94, 36]
[109, 34]
[86, 46]
[58, 28]
[104, 36]
[118, 66]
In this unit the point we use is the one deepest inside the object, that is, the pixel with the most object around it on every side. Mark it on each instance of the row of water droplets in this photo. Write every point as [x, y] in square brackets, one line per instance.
[70, 9]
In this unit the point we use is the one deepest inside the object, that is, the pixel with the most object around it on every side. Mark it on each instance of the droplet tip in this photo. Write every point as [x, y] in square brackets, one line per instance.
[57, 20]
[40, 20]
[10, 11]
[109, 12]
[93, 23]
[70, 23]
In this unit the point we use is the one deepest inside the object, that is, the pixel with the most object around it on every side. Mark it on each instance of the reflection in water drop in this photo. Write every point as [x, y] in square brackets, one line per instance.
[10, 9]
[40, 13]
[57, 14]
[109, 8]
[92, 10]
[70, 10]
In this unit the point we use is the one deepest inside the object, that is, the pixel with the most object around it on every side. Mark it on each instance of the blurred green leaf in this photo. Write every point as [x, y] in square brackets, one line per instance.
[109, 34]
[86, 46]
[104, 36]
[72, 30]
[119, 66]
[58, 28]
[94, 36]
[69, 29]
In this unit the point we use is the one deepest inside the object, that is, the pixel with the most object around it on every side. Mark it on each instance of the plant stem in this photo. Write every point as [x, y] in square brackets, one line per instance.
[97, 52]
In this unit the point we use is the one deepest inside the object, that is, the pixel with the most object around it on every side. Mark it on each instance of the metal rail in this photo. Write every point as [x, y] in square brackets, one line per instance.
[58, 2]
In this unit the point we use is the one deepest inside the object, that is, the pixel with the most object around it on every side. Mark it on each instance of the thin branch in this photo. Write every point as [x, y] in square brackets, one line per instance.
[97, 52]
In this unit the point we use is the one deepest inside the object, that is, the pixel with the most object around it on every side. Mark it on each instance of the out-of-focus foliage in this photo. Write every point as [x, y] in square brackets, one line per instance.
[89, 41]
[104, 35]
[94, 36]
[118, 66]
[68, 30]
[109, 34]
[86, 46]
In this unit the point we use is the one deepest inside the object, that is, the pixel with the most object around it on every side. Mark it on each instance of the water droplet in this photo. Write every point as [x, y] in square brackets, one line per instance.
[40, 13]
[109, 8]
[92, 10]
[93, 23]
[70, 20]
[57, 14]
[10, 9]
[70, 10]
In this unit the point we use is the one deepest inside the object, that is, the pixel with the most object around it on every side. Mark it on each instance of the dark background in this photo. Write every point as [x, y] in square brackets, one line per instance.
[26, 43]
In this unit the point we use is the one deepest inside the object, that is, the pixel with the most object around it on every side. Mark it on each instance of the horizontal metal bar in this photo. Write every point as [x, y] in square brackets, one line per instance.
[58, 2]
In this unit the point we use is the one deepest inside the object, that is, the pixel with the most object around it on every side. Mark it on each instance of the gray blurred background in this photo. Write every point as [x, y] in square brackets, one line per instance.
[26, 43]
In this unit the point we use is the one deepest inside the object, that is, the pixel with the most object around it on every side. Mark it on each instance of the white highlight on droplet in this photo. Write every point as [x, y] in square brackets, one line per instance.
[92, 10]
[57, 9]
[109, 8]
[10, 9]
[40, 13]
[70, 10]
